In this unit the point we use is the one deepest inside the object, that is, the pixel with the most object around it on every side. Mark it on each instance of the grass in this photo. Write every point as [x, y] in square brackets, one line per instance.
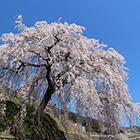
[71, 129]
[5, 134]
[74, 130]
[28, 125]
[59, 124]
[13, 99]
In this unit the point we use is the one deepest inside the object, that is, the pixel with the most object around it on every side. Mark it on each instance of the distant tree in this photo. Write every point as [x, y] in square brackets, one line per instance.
[46, 58]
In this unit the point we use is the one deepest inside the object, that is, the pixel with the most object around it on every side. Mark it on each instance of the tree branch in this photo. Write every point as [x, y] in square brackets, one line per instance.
[6, 68]
[50, 47]
[34, 65]
[39, 55]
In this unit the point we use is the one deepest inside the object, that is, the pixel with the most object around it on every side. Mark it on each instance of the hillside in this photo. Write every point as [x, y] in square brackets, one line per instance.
[50, 128]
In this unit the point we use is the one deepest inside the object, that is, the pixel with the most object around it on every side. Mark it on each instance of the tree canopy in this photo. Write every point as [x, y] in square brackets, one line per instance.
[56, 60]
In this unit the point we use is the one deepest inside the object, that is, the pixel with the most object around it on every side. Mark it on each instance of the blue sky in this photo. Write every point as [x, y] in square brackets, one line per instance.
[114, 22]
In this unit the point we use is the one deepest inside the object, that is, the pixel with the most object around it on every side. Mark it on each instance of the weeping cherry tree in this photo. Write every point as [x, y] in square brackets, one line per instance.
[48, 58]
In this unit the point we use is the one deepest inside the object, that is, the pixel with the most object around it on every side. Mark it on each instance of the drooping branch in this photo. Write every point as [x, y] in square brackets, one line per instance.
[33, 65]
[38, 54]
[6, 68]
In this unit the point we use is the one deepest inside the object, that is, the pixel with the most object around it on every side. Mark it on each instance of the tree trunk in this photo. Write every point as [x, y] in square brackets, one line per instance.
[41, 107]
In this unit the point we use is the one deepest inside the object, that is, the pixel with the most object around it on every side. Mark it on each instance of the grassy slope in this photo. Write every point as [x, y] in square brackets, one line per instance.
[71, 128]
[50, 127]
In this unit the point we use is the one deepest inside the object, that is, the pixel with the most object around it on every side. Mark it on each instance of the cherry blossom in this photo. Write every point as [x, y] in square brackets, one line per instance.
[47, 58]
